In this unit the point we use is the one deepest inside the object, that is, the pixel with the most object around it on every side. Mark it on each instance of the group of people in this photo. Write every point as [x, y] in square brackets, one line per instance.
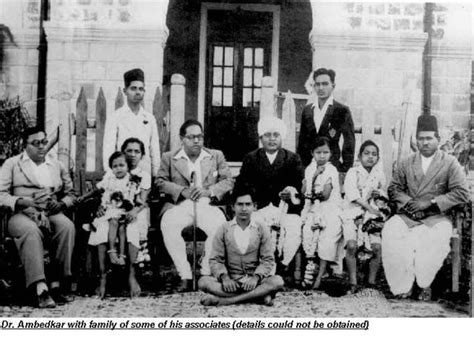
[281, 200]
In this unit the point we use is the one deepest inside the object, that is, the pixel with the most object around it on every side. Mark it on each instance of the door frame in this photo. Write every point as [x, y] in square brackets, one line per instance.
[205, 7]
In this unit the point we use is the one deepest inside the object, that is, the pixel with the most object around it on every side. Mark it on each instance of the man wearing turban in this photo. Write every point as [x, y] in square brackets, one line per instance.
[132, 121]
[275, 174]
[425, 186]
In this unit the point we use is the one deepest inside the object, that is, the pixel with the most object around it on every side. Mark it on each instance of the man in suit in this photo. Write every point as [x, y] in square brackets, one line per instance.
[188, 176]
[242, 259]
[132, 121]
[39, 189]
[327, 118]
[425, 186]
[274, 173]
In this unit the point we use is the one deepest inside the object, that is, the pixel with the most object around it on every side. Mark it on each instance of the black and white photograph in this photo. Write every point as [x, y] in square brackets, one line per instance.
[236, 159]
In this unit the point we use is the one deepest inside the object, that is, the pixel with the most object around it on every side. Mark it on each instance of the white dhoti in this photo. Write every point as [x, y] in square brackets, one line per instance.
[416, 253]
[290, 232]
[209, 219]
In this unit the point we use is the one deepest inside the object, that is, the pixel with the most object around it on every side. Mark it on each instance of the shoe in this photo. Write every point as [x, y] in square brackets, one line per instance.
[425, 294]
[185, 285]
[58, 297]
[45, 301]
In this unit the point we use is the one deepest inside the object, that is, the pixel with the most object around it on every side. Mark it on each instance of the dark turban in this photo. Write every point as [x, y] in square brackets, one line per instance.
[427, 124]
[133, 75]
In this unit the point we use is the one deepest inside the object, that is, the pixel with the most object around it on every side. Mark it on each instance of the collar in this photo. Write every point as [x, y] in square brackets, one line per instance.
[182, 154]
[141, 111]
[329, 101]
[233, 222]
[26, 158]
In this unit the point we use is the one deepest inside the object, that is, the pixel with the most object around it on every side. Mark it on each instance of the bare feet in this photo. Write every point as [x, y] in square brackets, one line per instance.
[210, 300]
[102, 287]
[114, 259]
[317, 284]
[268, 300]
[135, 289]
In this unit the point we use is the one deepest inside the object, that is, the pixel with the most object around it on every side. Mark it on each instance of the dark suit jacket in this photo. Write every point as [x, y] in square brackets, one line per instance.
[337, 121]
[268, 180]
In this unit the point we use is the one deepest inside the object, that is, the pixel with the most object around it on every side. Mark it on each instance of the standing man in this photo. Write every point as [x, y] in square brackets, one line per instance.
[274, 173]
[242, 259]
[132, 121]
[330, 119]
[192, 175]
[425, 186]
[39, 189]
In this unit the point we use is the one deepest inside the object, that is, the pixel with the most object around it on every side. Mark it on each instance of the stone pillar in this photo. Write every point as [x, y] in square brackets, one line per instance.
[267, 98]
[177, 103]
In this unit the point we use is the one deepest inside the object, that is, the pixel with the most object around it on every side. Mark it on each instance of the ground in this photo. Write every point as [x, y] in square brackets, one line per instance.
[368, 303]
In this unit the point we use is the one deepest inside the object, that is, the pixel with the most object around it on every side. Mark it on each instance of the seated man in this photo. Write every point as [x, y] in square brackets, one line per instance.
[274, 173]
[415, 241]
[39, 189]
[190, 176]
[242, 259]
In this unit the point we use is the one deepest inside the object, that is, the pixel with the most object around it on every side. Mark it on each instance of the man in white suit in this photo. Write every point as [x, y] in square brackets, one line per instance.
[425, 186]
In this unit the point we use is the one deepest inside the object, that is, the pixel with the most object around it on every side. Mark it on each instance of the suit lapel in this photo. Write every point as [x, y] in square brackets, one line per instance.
[431, 171]
[182, 167]
[417, 170]
[27, 169]
[279, 160]
[324, 128]
[206, 164]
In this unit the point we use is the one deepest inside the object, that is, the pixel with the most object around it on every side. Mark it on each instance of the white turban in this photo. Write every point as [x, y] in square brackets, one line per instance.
[271, 124]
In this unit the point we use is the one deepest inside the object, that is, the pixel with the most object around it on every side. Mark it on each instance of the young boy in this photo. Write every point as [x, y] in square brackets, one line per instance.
[241, 260]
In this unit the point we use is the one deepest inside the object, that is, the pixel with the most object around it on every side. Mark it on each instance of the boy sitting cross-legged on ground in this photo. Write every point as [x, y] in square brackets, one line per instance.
[242, 259]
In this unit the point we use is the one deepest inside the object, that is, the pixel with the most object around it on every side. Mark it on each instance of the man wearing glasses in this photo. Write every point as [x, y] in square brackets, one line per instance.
[191, 177]
[275, 173]
[132, 121]
[39, 189]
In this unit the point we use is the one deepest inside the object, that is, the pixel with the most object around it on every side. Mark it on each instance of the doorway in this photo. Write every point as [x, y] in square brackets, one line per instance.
[239, 51]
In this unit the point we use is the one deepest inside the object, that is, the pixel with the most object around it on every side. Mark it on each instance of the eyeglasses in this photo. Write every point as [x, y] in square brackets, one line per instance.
[270, 134]
[198, 137]
[37, 143]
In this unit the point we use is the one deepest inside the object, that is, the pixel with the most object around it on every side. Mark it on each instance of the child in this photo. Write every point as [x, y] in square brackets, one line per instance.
[365, 209]
[321, 213]
[119, 193]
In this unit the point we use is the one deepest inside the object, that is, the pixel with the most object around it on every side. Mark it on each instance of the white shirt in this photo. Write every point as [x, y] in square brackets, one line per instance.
[41, 171]
[124, 124]
[271, 156]
[425, 162]
[194, 166]
[318, 114]
[242, 236]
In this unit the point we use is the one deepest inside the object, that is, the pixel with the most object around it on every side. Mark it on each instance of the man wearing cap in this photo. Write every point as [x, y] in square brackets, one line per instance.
[132, 121]
[327, 118]
[275, 174]
[425, 186]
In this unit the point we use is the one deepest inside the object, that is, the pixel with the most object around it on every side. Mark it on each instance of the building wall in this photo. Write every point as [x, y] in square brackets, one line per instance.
[19, 76]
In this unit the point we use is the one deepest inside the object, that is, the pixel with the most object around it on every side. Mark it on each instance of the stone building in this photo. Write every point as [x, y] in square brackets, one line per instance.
[223, 48]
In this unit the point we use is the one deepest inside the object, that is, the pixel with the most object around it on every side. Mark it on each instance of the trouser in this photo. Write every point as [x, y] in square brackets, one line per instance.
[209, 219]
[290, 232]
[29, 240]
[413, 253]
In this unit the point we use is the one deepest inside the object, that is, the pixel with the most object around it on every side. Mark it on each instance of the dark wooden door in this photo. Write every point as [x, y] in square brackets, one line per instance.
[239, 51]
